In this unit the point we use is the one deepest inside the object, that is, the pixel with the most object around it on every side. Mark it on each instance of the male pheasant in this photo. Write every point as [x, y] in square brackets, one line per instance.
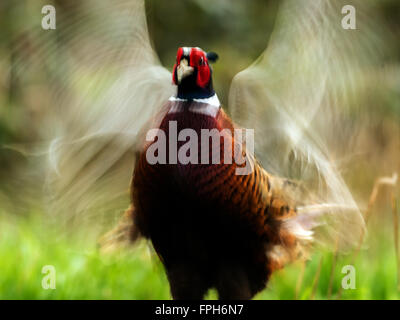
[210, 226]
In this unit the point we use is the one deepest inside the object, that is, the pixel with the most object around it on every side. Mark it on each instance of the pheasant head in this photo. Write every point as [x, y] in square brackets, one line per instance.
[192, 73]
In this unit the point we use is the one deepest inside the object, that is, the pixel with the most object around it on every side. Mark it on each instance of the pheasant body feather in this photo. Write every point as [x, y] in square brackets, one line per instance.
[205, 217]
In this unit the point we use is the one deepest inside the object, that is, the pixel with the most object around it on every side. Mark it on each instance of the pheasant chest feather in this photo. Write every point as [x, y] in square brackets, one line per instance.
[214, 184]
[206, 213]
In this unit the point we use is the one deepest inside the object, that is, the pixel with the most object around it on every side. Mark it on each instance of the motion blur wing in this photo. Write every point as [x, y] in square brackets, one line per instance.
[111, 84]
[300, 97]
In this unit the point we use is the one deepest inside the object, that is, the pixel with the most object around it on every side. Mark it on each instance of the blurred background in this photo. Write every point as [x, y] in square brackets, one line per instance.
[38, 70]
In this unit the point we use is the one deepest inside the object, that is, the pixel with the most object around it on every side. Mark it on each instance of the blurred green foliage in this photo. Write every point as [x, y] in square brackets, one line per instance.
[83, 273]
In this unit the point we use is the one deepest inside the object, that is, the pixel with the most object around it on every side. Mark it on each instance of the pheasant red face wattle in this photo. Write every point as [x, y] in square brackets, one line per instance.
[198, 61]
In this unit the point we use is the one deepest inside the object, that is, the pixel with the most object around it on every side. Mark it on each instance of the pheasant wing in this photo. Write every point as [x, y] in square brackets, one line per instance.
[300, 97]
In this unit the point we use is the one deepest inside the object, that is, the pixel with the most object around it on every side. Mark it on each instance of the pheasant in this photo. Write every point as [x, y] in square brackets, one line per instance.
[210, 226]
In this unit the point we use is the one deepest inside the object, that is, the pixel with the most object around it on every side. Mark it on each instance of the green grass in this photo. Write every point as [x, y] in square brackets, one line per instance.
[83, 273]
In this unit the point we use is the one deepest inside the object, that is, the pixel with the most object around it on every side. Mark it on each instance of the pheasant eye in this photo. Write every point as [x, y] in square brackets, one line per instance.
[201, 62]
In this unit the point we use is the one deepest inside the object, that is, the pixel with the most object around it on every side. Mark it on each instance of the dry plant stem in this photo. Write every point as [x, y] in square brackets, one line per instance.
[396, 237]
[390, 181]
[316, 280]
[300, 280]
[372, 200]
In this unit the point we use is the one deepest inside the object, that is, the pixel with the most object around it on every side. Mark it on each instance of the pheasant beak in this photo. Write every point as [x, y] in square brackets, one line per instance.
[183, 70]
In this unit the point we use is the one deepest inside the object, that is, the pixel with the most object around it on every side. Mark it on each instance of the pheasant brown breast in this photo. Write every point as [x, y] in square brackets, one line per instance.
[210, 226]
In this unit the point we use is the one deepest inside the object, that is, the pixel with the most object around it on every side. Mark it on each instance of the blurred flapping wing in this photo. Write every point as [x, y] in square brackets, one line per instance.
[114, 86]
[299, 97]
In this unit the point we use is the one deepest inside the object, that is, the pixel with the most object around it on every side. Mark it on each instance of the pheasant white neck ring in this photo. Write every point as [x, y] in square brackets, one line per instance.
[207, 106]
